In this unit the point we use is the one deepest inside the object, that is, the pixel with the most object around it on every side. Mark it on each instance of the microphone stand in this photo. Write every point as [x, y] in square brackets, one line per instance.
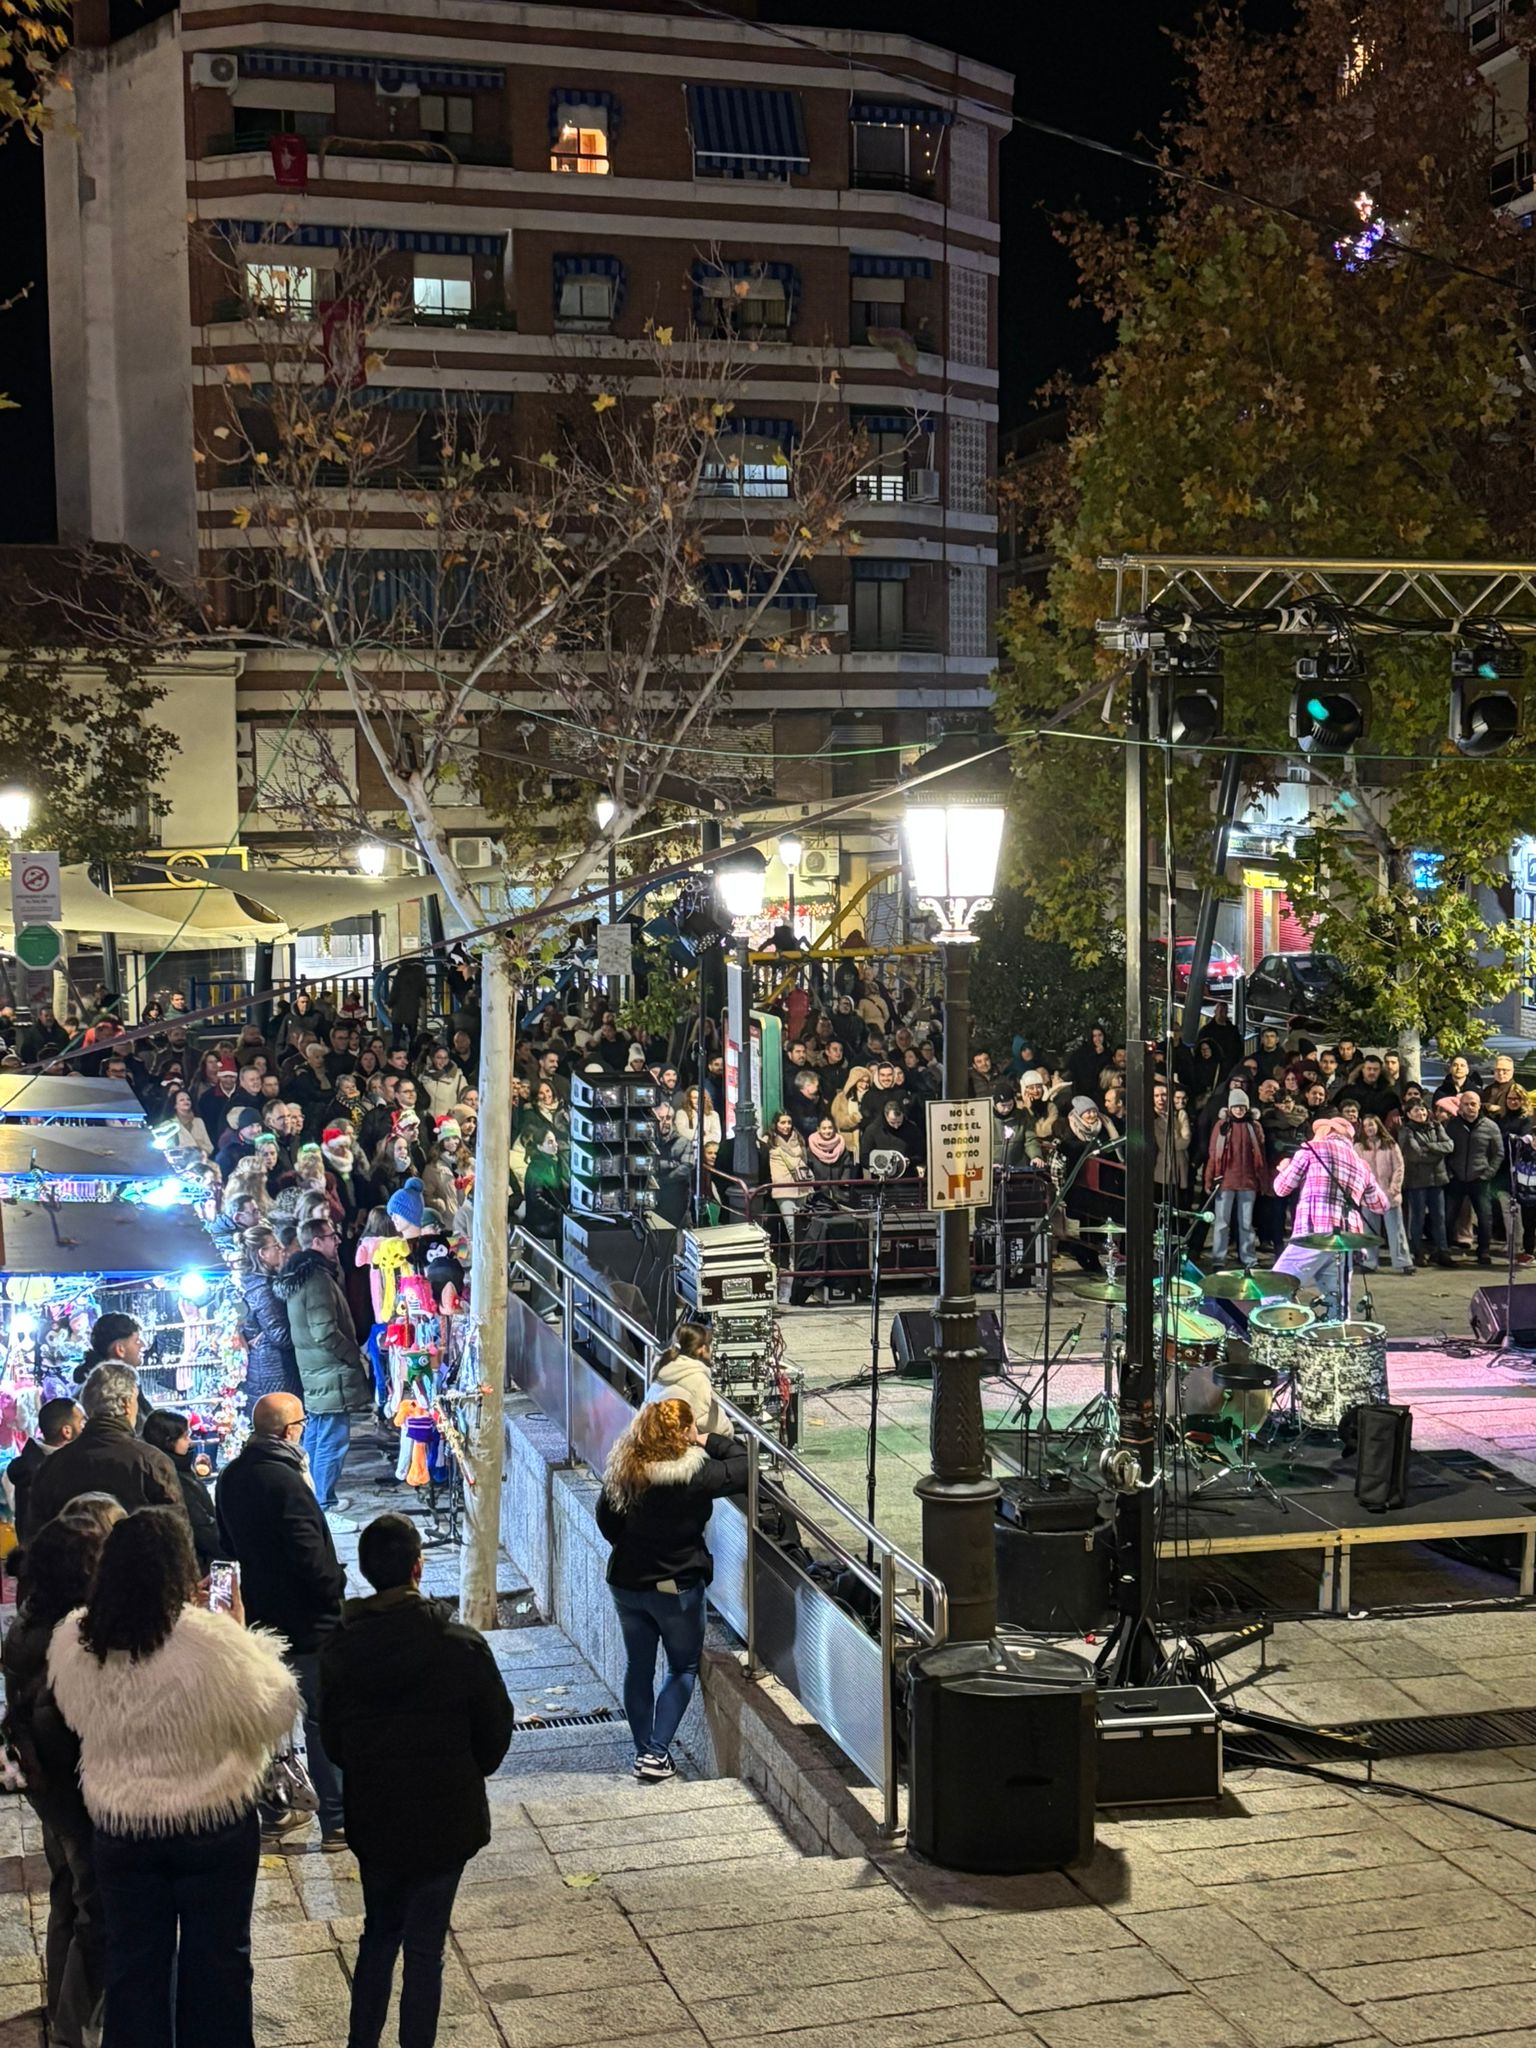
[871, 1444]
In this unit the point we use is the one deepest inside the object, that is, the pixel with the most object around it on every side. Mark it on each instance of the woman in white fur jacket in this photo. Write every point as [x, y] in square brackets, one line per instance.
[178, 1712]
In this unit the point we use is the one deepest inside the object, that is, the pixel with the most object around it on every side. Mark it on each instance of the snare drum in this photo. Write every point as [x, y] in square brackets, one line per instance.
[1194, 1346]
[1339, 1365]
[1274, 1330]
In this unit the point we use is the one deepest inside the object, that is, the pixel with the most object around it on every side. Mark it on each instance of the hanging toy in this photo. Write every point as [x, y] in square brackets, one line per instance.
[391, 1257]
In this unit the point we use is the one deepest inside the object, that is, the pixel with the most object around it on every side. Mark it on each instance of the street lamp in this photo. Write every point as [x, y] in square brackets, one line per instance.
[741, 879]
[954, 828]
[605, 810]
[15, 810]
[791, 853]
[371, 858]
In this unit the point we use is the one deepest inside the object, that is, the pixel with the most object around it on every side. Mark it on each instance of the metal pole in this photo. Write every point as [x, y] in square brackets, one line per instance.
[744, 1146]
[959, 1496]
[1205, 924]
[1130, 1654]
[111, 971]
[889, 1794]
[751, 1587]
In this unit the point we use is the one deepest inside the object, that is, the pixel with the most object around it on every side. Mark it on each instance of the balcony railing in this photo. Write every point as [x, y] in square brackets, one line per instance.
[893, 181]
[500, 319]
[864, 334]
[911, 640]
[331, 476]
[425, 149]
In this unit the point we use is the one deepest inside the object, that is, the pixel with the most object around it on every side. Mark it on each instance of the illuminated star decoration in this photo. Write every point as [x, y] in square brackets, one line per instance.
[1354, 251]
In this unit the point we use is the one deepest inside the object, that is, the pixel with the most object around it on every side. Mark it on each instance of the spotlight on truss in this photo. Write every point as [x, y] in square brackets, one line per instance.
[1331, 703]
[1189, 697]
[1487, 675]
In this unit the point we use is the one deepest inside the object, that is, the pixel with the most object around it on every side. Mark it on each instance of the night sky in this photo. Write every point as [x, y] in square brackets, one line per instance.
[1107, 70]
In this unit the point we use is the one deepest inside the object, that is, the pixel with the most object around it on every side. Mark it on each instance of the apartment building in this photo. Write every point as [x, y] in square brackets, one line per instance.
[543, 181]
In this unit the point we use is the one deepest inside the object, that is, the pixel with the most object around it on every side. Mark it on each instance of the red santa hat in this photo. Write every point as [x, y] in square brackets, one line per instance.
[336, 1144]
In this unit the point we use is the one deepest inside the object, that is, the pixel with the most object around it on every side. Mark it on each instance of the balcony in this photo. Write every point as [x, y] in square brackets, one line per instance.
[494, 319]
[330, 476]
[1512, 175]
[862, 180]
[910, 487]
[911, 640]
[382, 148]
[863, 334]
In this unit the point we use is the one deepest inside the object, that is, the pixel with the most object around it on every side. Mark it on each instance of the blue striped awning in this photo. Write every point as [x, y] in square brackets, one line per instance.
[403, 398]
[898, 114]
[384, 70]
[888, 266]
[880, 569]
[737, 583]
[892, 422]
[780, 431]
[574, 96]
[583, 265]
[312, 235]
[746, 132]
[406, 587]
[748, 267]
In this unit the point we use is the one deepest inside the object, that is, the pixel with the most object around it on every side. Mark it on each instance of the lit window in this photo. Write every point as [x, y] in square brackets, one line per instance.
[884, 476]
[581, 140]
[439, 298]
[280, 287]
[586, 301]
[895, 155]
[745, 466]
[446, 114]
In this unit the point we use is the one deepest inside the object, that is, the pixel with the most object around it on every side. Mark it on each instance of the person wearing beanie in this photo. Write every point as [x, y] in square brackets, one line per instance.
[406, 1207]
[1237, 1172]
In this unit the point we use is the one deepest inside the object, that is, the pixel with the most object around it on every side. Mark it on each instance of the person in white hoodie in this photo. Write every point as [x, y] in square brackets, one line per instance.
[178, 1711]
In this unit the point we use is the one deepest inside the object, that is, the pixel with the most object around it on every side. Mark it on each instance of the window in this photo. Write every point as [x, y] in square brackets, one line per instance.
[585, 301]
[580, 139]
[754, 308]
[879, 305]
[446, 115]
[879, 615]
[441, 289]
[280, 287]
[748, 465]
[259, 124]
[896, 154]
[883, 479]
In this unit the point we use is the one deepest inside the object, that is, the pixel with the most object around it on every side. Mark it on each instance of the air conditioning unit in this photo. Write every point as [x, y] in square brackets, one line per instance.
[922, 487]
[399, 89]
[819, 864]
[830, 618]
[215, 67]
[473, 852]
[1483, 28]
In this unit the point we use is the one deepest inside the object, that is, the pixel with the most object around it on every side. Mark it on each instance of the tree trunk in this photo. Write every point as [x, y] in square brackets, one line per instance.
[488, 1292]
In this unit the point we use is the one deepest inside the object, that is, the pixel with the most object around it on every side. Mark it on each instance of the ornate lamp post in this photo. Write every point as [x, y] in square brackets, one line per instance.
[953, 829]
[791, 853]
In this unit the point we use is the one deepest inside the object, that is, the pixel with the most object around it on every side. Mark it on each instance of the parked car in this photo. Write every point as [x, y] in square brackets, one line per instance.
[1221, 974]
[1311, 986]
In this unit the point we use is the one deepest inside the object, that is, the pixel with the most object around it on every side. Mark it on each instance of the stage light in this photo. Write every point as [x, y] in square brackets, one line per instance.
[1189, 698]
[1486, 720]
[193, 1287]
[1331, 704]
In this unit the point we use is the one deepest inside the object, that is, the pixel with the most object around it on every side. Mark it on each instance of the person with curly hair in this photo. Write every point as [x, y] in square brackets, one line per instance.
[178, 1710]
[659, 1490]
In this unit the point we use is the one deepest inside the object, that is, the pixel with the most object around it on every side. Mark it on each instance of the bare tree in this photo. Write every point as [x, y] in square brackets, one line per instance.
[559, 607]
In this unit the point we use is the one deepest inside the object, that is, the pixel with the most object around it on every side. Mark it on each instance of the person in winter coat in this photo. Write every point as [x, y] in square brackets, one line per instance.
[1477, 1155]
[682, 1373]
[290, 1578]
[789, 1169]
[1237, 1171]
[325, 1348]
[59, 1568]
[59, 1422]
[662, 1480]
[1426, 1149]
[847, 1101]
[402, 1681]
[178, 1710]
[1171, 1137]
[1087, 1061]
[106, 1457]
[270, 1366]
[168, 1432]
[827, 1153]
[1384, 1158]
[440, 1082]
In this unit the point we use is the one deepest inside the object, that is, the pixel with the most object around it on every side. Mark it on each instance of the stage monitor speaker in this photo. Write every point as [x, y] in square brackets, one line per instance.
[1003, 1757]
[1383, 1445]
[913, 1337]
[1054, 1580]
[1487, 1311]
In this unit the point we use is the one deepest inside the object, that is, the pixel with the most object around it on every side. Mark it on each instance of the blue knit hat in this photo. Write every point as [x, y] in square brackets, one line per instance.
[407, 1206]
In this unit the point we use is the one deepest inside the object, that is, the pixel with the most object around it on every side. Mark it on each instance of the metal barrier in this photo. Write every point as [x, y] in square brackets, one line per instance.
[791, 1625]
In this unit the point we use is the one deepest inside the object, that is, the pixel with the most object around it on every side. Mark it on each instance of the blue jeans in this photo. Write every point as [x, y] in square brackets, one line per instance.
[178, 1917]
[1417, 1204]
[1242, 1200]
[675, 1623]
[1397, 1244]
[323, 1773]
[325, 1445]
[401, 1909]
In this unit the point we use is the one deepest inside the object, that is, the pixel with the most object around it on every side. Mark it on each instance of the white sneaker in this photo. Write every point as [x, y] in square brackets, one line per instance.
[339, 1525]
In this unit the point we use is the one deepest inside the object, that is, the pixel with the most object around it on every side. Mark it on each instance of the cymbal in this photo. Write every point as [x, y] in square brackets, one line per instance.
[1103, 1230]
[1339, 1240]
[1247, 1287]
[1099, 1290]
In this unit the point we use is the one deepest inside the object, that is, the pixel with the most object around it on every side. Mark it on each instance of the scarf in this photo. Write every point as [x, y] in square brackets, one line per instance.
[828, 1150]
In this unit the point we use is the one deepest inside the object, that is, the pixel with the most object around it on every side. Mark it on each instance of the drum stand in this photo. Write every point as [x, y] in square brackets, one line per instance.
[1247, 1479]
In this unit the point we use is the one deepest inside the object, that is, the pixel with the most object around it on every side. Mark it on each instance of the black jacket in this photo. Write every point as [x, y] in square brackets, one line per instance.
[270, 1520]
[661, 1535]
[46, 1747]
[270, 1366]
[24, 1468]
[415, 1714]
[198, 1502]
[1426, 1154]
[106, 1457]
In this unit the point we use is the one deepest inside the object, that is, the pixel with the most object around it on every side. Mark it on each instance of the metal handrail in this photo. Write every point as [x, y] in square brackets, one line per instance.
[528, 1253]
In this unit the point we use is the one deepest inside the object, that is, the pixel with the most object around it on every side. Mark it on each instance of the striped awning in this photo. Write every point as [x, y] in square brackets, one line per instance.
[408, 587]
[383, 70]
[405, 398]
[739, 583]
[892, 422]
[746, 132]
[880, 569]
[781, 432]
[567, 101]
[748, 267]
[313, 235]
[584, 265]
[888, 266]
[898, 114]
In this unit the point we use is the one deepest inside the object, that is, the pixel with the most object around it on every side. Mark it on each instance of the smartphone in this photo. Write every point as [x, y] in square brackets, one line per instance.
[223, 1577]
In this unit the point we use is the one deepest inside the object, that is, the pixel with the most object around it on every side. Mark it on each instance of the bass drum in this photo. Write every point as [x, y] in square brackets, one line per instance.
[1339, 1365]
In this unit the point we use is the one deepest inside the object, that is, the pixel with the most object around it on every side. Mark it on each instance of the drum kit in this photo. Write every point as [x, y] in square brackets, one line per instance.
[1295, 1371]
